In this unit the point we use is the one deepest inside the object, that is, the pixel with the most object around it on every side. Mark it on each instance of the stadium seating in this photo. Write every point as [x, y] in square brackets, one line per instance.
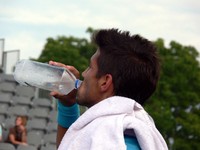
[9, 122]
[26, 91]
[38, 113]
[2, 117]
[5, 98]
[43, 103]
[7, 78]
[6, 146]
[21, 100]
[17, 110]
[41, 112]
[53, 116]
[50, 138]
[36, 124]
[8, 87]
[51, 127]
[48, 147]
[3, 109]
[26, 147]
[34, 138]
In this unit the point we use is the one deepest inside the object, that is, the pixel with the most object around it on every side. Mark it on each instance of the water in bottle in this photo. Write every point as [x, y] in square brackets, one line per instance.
[45, 76]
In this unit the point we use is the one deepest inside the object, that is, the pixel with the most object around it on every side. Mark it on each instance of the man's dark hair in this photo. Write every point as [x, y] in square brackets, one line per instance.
[131, 60]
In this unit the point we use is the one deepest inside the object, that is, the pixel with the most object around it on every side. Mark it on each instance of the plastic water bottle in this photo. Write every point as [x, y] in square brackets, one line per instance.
[45, 76]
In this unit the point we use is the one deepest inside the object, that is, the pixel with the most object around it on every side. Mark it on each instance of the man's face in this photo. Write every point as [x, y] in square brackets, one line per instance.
[89, 94]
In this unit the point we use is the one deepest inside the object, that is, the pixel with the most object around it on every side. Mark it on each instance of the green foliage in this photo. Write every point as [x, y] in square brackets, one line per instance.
[68, 50]
[175, 104]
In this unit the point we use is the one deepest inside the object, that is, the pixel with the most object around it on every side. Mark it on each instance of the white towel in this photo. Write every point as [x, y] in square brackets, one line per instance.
[101, 127]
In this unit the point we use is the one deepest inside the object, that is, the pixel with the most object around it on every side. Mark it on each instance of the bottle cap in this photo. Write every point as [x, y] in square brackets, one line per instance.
[77, 83]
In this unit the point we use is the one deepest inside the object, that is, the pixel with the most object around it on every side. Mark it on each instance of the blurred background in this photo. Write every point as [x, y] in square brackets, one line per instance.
[60, 30]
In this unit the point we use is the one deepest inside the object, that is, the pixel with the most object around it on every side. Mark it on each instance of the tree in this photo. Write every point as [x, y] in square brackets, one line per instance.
[175, 104]
[68, 50]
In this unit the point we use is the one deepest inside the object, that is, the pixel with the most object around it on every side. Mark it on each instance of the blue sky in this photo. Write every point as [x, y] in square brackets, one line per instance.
[26, 24]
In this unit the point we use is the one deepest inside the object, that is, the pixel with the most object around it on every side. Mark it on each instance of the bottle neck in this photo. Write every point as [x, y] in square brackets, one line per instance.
[78, 83]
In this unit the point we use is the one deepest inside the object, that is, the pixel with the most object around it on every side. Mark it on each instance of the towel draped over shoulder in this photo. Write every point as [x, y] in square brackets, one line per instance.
[102, 127]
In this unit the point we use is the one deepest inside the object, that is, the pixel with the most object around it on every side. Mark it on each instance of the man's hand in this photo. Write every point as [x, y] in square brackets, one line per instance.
[70, 98]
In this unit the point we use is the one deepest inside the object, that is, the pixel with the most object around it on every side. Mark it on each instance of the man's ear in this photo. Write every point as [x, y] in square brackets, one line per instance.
[106, 82]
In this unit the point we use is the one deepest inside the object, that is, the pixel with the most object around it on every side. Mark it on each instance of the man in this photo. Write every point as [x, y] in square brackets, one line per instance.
[123, 73]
